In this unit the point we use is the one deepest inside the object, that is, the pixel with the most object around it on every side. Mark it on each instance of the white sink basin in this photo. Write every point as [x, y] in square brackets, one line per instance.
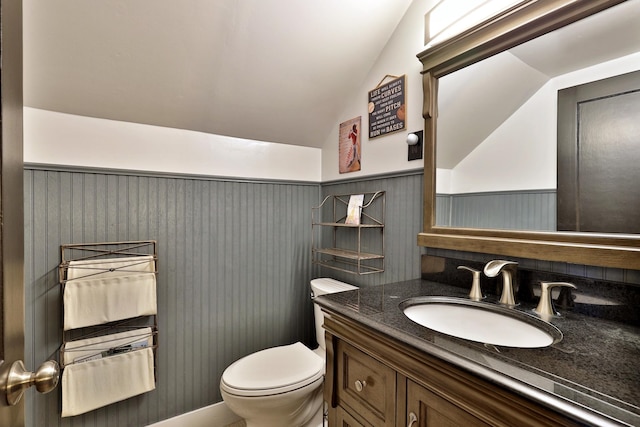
[481, 322]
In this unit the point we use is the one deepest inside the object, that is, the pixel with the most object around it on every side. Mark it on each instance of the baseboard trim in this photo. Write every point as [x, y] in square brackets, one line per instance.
[217, 415]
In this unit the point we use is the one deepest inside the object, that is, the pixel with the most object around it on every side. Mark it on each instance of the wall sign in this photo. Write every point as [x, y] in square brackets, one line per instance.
[387, 107]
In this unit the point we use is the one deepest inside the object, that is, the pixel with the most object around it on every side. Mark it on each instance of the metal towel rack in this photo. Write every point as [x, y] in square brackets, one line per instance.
[118, 340]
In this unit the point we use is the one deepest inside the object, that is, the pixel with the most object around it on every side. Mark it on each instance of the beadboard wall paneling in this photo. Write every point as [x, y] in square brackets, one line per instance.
[234, 270]
[507, 210]
[403, 222]
[443, 210]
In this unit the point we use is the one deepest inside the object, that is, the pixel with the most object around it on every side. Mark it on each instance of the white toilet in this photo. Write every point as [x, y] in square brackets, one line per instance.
[282, 386]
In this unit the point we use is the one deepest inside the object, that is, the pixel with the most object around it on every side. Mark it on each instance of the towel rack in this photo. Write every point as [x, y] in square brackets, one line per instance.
[104, 252]
[110, 322]
[91, 260]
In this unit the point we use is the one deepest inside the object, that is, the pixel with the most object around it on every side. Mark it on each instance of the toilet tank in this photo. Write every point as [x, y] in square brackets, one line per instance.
[323, 286]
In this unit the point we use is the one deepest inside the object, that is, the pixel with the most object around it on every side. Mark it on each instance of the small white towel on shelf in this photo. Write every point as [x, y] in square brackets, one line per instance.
[86, 349]
[97, 383]
[110, 267]
[90, 302]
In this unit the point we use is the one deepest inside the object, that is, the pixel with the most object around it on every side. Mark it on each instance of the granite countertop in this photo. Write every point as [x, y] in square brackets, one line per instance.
[591, 375]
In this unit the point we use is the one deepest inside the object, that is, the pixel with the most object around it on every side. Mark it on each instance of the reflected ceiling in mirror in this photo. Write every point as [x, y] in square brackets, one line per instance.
[497, 120]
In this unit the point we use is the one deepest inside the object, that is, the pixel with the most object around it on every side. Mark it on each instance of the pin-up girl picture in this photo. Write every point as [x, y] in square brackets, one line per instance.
[349, 146]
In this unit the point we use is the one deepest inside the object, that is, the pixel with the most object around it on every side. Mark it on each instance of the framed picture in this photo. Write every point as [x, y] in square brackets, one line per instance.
[349, 149]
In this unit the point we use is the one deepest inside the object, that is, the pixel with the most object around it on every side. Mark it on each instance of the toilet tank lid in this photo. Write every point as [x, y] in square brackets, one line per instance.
[325, 285]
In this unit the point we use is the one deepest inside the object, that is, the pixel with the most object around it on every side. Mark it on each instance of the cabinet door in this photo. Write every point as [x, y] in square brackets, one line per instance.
[344, 419]
[366, 386]
[430, 410]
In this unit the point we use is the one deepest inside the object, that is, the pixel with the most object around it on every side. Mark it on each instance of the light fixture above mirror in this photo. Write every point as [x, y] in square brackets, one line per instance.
[450, 17]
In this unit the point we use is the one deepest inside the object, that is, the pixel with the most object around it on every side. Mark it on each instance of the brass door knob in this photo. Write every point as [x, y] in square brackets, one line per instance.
[14, 383]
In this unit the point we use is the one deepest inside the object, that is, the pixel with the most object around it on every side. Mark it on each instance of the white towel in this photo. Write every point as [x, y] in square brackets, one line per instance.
[88, 348]
[110, 267]
[91, 385]
[96, 301]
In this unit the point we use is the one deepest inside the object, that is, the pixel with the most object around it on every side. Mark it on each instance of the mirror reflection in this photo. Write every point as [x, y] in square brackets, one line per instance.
[497, 158]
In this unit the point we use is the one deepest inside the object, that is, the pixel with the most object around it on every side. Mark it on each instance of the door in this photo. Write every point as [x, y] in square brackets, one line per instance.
[11, 202]
[599, 137]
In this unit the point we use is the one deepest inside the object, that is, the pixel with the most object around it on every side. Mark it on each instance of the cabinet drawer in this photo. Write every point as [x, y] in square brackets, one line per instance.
[365, 385]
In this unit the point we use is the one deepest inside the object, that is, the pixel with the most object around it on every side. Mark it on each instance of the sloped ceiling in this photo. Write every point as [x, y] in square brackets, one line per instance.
[269, 70]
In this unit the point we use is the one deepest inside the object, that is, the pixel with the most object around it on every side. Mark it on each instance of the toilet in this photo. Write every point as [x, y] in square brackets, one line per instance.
[282, 386]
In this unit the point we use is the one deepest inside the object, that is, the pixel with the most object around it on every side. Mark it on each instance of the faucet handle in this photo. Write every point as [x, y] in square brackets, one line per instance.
[545, 306]
[476, 291]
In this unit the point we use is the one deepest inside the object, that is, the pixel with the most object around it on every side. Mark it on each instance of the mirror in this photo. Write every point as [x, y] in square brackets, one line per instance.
[503, 160]
[499, 60]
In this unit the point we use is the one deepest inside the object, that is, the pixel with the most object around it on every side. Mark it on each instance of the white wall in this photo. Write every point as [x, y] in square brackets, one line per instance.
[518, 155]
[385, 153]
[64, 139]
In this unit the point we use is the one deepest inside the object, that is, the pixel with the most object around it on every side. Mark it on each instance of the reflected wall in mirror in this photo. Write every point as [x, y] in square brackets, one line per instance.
[521, 131]
[497, 127]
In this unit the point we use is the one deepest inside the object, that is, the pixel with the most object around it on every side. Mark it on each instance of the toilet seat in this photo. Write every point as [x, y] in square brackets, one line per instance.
[272, 371]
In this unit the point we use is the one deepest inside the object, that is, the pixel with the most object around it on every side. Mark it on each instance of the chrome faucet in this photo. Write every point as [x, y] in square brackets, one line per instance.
[509, 279]
[545, 307]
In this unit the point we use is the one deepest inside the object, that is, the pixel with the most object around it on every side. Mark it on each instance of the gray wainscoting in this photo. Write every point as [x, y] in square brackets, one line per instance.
[507, 210]
[234, 270]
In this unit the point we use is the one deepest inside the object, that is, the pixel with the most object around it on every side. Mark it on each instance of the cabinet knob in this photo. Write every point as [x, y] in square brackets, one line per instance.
[412, 419]
[360, 385]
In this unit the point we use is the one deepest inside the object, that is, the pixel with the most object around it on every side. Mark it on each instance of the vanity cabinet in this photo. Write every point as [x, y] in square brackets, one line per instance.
[374, 380]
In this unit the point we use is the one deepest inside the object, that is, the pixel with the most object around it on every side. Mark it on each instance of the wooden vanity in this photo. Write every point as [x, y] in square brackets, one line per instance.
[385, 370]
[374, 380]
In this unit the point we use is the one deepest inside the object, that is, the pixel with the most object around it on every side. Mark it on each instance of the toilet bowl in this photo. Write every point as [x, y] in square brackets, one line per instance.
[282, 386]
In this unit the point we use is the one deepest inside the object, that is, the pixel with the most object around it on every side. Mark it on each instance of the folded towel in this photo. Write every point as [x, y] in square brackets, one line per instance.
[110, 267]
[90, 302]
[96, 383]
[95, 348]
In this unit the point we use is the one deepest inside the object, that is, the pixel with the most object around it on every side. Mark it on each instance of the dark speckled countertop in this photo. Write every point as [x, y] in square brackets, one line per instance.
[591, 375]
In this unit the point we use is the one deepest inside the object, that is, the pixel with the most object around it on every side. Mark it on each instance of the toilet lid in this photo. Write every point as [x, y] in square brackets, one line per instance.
[274, 370]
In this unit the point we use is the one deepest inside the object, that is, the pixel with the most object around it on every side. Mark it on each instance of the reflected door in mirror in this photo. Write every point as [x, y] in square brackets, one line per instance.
[599, 150]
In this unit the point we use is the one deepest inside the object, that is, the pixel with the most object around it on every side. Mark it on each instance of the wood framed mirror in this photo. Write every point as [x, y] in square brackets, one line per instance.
[526, 21]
